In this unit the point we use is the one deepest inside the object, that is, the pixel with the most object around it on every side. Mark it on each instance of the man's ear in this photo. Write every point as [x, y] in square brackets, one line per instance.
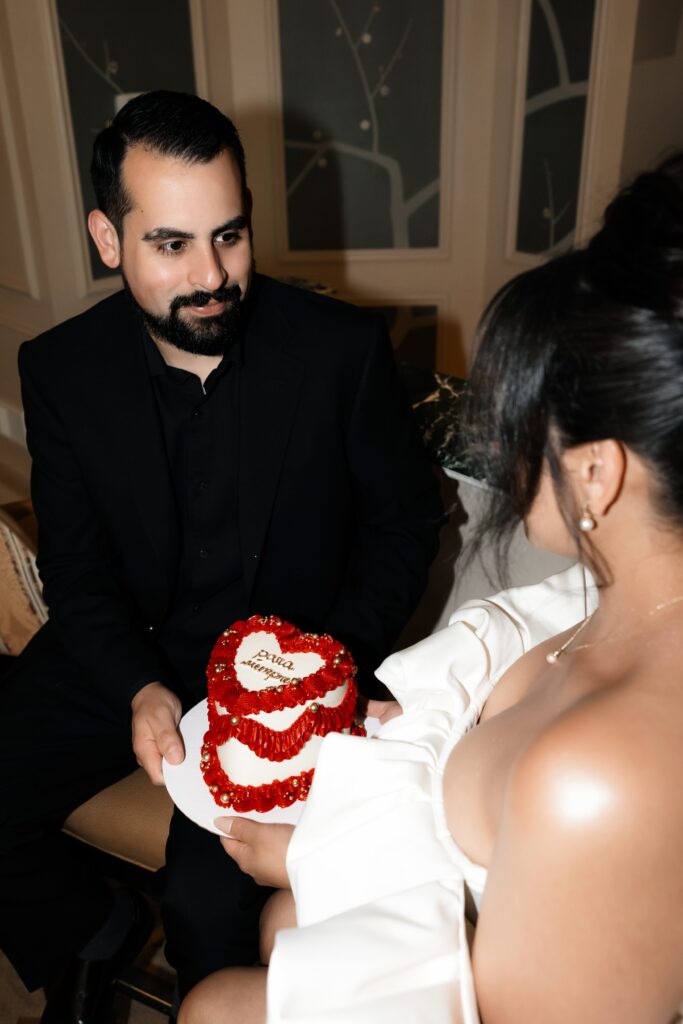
[598, 470]
[106, 238]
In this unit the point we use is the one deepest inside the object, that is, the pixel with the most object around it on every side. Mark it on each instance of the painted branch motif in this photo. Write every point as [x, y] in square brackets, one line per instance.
[374, 80]
[556, 204]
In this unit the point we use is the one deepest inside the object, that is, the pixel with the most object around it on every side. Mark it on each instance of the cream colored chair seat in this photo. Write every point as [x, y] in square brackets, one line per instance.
[128, 820]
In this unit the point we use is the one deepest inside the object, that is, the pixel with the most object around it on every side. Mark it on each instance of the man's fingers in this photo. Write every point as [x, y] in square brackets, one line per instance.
[149, 758]
[170, 745]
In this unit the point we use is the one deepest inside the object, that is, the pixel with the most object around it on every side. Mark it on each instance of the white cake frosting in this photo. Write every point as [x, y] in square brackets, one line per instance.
[273, 694]
[240, 763]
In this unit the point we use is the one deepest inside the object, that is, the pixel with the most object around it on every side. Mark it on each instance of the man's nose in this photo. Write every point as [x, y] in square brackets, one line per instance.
[207, 272]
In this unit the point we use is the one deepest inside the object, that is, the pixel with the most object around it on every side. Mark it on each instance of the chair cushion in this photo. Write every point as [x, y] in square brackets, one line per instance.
[129, 820]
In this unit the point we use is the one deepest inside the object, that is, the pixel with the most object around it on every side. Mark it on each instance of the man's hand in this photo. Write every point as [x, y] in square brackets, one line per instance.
[258, 849]
[156, 714]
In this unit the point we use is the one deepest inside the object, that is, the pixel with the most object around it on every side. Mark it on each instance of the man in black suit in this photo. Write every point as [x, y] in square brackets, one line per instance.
[206, 444]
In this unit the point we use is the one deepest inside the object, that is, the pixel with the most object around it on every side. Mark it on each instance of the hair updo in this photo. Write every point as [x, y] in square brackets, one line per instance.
[588, 346]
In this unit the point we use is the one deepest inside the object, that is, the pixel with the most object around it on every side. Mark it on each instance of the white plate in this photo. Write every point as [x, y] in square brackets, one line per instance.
[186, 786]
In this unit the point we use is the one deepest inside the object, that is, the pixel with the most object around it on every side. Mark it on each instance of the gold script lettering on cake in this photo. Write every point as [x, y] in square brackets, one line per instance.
[256, 662]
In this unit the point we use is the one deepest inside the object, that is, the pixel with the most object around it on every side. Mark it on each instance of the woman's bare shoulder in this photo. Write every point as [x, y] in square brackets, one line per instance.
[586, 868]
[614, 756]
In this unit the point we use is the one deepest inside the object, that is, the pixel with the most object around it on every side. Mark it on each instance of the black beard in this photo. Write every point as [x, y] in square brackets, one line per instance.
[209, 336]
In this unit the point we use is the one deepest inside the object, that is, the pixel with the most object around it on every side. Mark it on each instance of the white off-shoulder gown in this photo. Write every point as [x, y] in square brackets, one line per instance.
[378, 881]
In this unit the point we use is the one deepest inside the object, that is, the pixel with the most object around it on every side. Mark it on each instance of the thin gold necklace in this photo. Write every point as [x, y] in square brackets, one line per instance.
[553, 656]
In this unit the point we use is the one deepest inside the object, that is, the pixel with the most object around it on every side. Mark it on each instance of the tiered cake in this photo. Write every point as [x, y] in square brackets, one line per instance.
[273, 693]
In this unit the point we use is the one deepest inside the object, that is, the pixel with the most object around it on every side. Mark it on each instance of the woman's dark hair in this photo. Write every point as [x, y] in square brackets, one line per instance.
[587, 347]
[173, 124]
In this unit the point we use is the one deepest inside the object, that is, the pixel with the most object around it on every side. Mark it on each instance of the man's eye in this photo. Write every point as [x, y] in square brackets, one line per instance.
[227, 238]
[173, 247]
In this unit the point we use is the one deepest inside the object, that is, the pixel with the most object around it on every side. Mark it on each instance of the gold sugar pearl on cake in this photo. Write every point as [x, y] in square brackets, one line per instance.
[295, 783]
[220, 666]
[214, 789]
[313, 707]
[206, 756]
[279, 688]
[234, 719]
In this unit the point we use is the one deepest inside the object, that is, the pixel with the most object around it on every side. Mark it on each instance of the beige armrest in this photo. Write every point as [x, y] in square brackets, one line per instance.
[129, 820]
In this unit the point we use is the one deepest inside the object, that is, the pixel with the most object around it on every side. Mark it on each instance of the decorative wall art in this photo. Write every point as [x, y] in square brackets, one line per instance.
[361, 88]
[112, 50]
[559, 56]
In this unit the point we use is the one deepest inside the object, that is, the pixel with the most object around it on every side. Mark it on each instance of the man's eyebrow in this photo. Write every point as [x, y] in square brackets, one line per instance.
[166, 234]
[236, 224]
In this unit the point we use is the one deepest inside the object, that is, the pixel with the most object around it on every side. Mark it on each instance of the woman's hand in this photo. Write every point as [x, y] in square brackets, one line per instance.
[384, 710]
[258, 849]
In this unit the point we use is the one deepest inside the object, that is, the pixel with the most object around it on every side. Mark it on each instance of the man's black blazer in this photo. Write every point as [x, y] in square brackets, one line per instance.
[338, 510]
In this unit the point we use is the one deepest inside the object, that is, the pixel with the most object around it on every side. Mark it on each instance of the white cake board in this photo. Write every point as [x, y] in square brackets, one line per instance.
[186, 786]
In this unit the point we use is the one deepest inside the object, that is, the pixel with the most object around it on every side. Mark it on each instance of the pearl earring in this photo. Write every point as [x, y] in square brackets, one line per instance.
[587, 520]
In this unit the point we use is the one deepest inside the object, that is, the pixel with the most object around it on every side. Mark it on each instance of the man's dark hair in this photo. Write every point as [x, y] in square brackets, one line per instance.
[173, 124]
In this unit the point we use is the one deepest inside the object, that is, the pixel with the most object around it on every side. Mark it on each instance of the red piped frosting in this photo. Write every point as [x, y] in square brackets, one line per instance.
[238, 702]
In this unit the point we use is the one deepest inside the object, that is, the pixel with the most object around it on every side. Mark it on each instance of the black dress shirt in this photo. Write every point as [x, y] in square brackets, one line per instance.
[200, 426]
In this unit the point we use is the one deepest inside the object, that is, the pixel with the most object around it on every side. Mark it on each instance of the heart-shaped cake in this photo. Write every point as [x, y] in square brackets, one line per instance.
[273, 693]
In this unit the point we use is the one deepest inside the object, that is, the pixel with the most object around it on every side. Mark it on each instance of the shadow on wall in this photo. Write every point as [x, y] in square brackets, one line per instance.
[429, 614]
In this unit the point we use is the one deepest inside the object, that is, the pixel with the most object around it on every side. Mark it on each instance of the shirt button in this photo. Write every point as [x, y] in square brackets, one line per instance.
[198, 414]
[203, 553]
[203, 485]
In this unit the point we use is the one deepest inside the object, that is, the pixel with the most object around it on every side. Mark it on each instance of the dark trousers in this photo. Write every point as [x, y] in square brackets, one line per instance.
[60, 743]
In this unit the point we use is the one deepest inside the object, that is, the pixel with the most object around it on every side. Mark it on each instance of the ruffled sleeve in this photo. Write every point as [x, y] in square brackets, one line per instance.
[377, 879]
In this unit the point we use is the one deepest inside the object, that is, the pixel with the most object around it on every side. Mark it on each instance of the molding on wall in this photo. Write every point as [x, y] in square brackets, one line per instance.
[81, 264]
[12, 424]
[610, 77]
[25, 282]
[510, 251]
[21, 327]
[199, 46]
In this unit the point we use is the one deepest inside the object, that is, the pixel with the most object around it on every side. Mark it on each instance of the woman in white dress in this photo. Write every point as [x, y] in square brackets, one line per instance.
[539, 774]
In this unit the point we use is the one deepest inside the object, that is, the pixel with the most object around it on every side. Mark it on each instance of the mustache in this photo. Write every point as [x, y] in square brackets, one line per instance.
[230, 294]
